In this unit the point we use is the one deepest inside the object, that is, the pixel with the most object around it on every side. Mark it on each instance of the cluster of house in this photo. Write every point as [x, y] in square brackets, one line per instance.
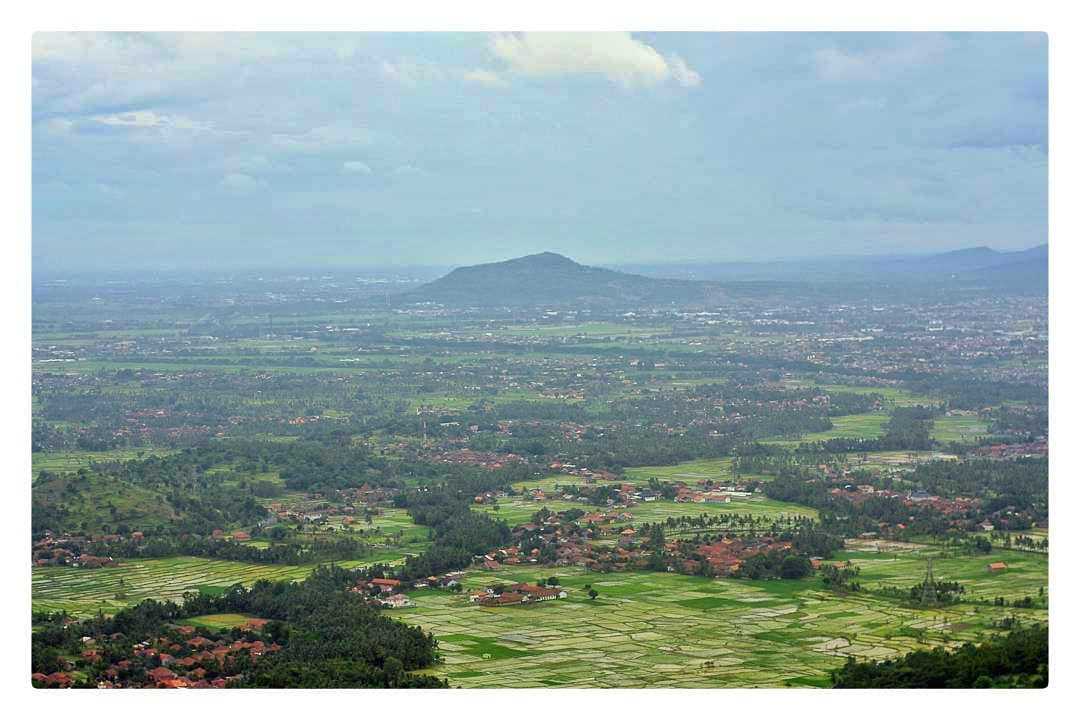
[465, 456]
[590, 476]
[685, 494]
[557, 540]
[447, 580]
[235, 535]
[317, 509]
[517, 594]
[385, 592]
[858, 494]
[193, 661]
[1014, 450]
[723, 557]
[68, 550]
[491, 496]
[304, 420]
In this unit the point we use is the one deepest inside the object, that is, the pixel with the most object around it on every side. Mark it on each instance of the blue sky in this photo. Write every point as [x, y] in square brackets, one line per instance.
[208, 150]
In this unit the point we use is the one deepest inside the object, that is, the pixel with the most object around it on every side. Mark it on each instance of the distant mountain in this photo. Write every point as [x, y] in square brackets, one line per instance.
[977, 266]
[553, 279]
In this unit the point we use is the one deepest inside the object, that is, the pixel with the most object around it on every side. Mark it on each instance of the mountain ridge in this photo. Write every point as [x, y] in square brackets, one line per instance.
[551, 278]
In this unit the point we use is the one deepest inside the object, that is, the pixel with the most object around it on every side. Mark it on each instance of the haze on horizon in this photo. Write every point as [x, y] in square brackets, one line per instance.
[215, 151]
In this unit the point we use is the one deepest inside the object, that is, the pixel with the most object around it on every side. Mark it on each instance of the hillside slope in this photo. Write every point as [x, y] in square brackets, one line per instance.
[552, 279]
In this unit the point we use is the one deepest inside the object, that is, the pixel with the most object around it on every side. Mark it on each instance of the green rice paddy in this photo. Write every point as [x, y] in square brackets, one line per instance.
[862, 425]
[83, 591]
[221, 621]
[958, 428]
[666, 630]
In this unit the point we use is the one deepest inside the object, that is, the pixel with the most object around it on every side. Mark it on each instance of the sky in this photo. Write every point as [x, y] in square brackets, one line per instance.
[194, 151]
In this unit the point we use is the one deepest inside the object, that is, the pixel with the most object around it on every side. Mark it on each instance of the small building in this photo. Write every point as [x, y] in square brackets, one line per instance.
[385, 585]
[997, 566]
[396, 601]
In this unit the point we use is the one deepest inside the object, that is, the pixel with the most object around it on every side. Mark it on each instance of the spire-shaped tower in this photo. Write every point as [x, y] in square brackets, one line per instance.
[929, 587]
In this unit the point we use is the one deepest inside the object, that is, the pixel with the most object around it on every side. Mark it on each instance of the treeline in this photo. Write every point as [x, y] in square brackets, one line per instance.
[1020, 659]
[840, 516]
[457, 533]
[318, 550]
[215, 485]
[1020, 485]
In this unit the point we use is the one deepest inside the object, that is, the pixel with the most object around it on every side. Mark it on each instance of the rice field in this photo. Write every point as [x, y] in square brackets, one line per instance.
[519, 510]
[892, 395]
[667, 630]
[82, 591]
[906, 566]
[692, 472]
[862, 425]
[75, 459]
[220, 621]
[958, 428]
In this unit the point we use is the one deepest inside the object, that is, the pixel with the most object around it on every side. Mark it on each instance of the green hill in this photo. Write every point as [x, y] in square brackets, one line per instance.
[552, 279]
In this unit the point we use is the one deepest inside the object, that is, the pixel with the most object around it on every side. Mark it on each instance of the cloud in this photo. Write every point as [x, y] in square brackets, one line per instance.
[411, 73]
[355, 167]
[404, 171]
[837, 65]
[238, 184]
[144, 119]
[487, 78]
[682, 73]
[616, 56]
[322, 138]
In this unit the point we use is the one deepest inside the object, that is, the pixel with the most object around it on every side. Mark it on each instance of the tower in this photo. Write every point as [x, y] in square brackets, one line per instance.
[929, 588]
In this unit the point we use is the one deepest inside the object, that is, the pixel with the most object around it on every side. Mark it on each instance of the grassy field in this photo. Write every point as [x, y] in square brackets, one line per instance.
[667, 630]
[519, 510]
[863, 425]
[73, 460]
[221, 621]
[904, 567]
[82, 591]
[717, 470]
[958, 428]
[891, 395]
[584, 329]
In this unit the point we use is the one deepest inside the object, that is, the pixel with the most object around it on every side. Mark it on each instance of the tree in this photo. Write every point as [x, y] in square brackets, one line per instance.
[593, 594]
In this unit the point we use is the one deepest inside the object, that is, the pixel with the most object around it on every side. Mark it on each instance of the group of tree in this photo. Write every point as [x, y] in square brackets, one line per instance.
[1018, 659]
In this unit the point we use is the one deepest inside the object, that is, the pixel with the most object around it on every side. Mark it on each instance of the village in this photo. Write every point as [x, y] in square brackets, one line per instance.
[185, 657]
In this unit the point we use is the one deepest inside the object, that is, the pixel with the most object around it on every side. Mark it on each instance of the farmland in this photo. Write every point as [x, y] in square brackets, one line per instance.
[203, 448]
[864, 425]
[82, 591]
[664, 630]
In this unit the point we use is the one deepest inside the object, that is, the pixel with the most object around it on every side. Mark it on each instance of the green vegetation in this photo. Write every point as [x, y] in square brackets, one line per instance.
[821, 445]
[665, 630]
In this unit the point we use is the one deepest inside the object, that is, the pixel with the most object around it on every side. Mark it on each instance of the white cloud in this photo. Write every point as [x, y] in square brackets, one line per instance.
[408, 171]
[355, 167]
[149, 119]
[487, 78]
[616, 56]
[238, 184]
[323, 138]
[247, 163]
[838, 65]
[682, 73]
[411, 72]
